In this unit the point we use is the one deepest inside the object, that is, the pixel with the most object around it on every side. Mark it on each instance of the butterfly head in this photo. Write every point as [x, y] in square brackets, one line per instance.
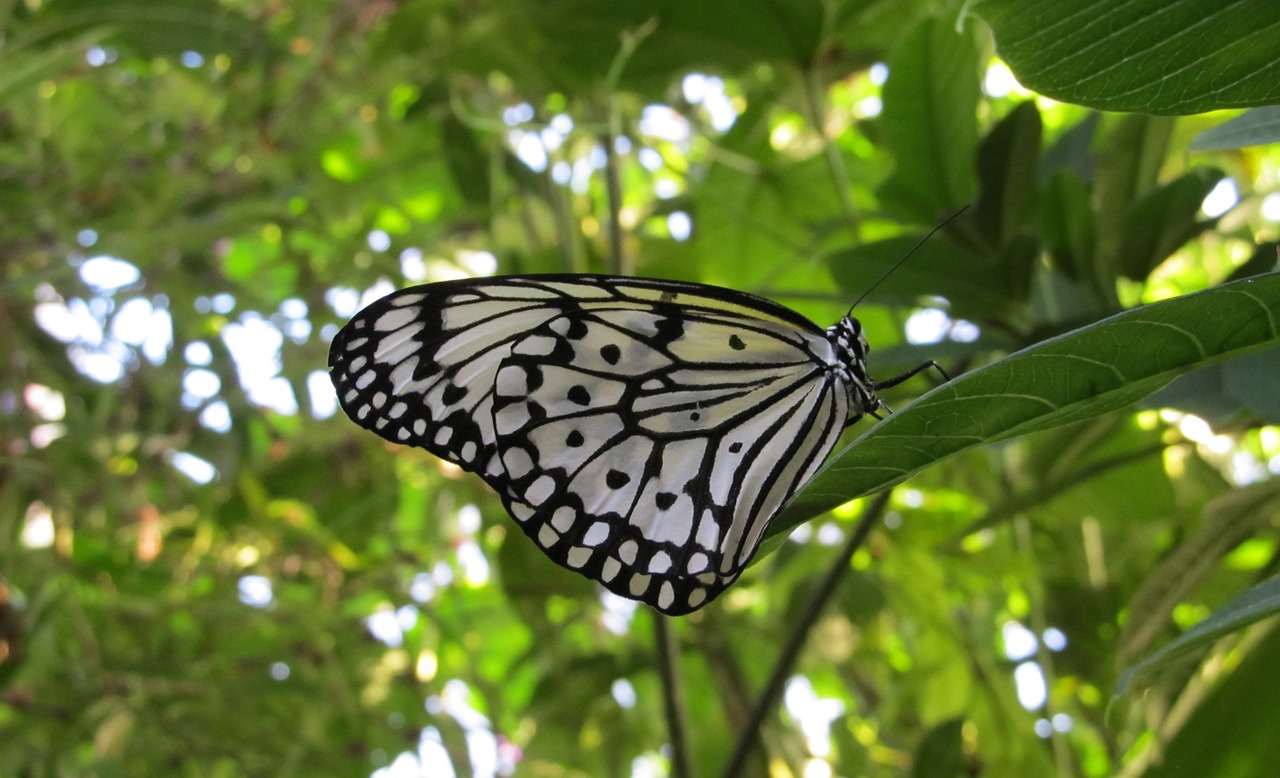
[850, 345]
[849, 339]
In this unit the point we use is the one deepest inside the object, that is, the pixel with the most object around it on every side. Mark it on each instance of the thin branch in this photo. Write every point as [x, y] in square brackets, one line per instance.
[631, 40]
[1066, 766]
[751, 736]
[673, 695]
[727, 677]
[566, 230]
[724, 670]
[835, 166]
[612, 178]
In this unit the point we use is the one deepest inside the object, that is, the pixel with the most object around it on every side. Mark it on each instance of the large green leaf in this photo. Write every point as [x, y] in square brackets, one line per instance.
[1248, 608]
[930, 122]
[1226, 522]
[1232, 732]
[1152, 56]
[1007, 174]
[1093, 370]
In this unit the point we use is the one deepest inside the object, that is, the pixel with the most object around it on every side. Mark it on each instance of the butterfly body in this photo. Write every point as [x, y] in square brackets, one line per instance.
[641, 432]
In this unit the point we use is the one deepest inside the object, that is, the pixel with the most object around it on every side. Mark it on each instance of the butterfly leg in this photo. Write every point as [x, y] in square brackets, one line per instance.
[880, 405]
[911, 374]
[877, 405]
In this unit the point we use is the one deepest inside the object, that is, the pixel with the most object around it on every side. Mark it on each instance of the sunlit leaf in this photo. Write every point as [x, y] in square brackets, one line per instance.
[1252, 606]
[1231, 732]
[1227, 521]
[1149, 55]
[1255, 127]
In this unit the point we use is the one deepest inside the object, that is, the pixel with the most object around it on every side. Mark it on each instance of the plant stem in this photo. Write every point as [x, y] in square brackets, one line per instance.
[673, 695]
[751, 735]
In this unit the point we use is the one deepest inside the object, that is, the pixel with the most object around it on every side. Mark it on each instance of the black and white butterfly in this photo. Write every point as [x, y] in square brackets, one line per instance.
[641, 432]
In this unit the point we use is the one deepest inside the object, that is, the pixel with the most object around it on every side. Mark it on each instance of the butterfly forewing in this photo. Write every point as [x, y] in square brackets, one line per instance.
[642, 433]
[417, 366]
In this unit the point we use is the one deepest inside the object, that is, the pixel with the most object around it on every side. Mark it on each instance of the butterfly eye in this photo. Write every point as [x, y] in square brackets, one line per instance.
[640, 432]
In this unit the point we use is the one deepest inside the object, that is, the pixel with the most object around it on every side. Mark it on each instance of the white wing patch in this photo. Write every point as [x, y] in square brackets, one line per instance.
[642, 433]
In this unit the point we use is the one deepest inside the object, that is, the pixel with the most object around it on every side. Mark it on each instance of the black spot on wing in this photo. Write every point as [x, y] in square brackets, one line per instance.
[452, 394]
[533, 375]
[669, 329]
[611, 353]
[579, 395]
[616, 479]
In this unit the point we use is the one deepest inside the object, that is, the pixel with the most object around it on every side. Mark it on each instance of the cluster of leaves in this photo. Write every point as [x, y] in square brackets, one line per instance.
[327, 603]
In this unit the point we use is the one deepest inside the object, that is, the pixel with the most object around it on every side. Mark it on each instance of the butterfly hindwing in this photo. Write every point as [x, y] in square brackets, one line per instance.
[633, 442]
[642, 433]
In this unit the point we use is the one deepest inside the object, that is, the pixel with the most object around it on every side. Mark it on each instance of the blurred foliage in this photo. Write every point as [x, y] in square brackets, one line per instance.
[204, 572]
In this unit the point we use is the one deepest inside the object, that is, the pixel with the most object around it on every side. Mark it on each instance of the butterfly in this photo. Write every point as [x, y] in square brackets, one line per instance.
[641, 432]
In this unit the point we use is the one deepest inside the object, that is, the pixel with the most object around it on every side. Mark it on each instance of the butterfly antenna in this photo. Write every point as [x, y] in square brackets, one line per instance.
[907, 256]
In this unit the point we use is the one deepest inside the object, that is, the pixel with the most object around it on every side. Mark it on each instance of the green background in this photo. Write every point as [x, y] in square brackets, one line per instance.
[319, 602]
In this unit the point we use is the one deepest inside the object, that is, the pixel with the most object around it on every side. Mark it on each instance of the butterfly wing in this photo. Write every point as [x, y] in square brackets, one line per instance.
[417, 367]
[654, 465]
[642, 433]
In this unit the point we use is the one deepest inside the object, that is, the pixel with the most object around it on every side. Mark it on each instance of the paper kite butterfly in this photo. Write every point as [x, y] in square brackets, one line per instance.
[641, 432]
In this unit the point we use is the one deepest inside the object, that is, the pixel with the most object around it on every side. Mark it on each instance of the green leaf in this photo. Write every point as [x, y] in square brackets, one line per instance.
[1248, 608]
[1152, 56]
[579, 41]
[941, 752]
[1073, 150]
[1088, 372]
[1257, 127]
[1162, 220]
[1226, 522]
[1007, 174]
[26, 68]
[1067, 225]
[468, 163]
[930, 122]
[1231, 733]
[938, 266]
[1242, 388]
[1130, 159]
[1252, 380]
